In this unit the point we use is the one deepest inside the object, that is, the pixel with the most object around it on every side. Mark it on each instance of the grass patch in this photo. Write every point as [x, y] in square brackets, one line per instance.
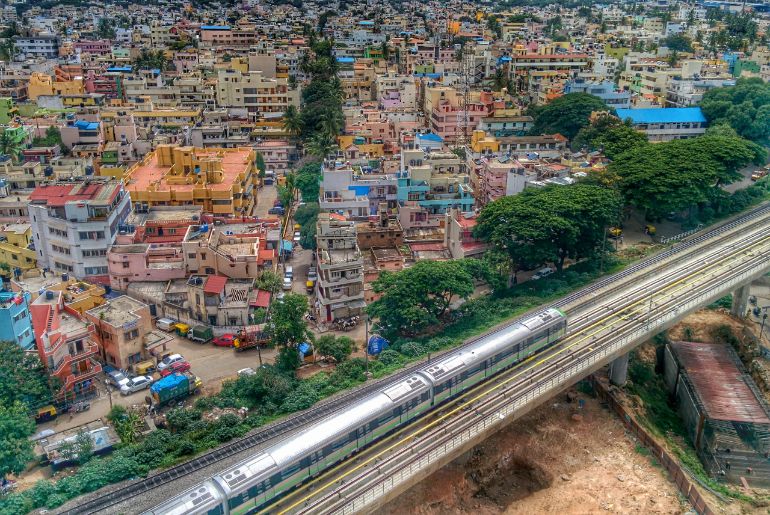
[725, 302]
[641, 449]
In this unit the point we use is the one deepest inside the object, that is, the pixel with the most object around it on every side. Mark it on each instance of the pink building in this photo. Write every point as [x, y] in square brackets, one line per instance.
[495, 178]
[448, 120]
[277, 153]
[100, 47]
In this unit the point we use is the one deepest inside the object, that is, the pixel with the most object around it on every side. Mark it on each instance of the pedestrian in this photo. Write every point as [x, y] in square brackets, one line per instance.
[727, 465]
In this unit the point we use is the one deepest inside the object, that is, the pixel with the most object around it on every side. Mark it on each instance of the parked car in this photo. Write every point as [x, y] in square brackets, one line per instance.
[116, 378]
[166, 324]
[276, 211]
[135, 384]
[286, 283]
[288, 271]
[312, 274]
[246, 372]
[543, 272]
[297, 237]
[177, 366]
[759, 174]
[226, 340]
[168, 360]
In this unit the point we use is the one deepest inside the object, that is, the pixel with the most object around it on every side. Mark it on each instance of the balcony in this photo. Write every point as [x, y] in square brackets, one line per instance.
[91, 370]
[89, 349]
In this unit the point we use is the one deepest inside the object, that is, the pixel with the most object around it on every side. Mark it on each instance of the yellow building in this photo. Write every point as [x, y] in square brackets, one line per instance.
[15, 240]
[220, 180]
[42, 84]
[481, 143]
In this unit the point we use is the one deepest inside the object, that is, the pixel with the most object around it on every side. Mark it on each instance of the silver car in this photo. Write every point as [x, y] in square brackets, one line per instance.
[135, 384]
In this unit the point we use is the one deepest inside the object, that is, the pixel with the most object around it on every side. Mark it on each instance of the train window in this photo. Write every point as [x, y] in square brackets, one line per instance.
[290, 471]
[384, 419]
[275, 479]
[341, 442]
[425, 396]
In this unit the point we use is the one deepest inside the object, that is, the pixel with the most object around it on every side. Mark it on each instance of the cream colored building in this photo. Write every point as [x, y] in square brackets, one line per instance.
[263, 98]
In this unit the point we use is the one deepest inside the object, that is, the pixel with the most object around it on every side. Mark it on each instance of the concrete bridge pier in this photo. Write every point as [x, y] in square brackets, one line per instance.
[741, 301]
[619, 370]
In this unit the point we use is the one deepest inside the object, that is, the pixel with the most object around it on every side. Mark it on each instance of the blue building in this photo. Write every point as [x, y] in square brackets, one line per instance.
[15, 319]
[666, 124]
[605, 90]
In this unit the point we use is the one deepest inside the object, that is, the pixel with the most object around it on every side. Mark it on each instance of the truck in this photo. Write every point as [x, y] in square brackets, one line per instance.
[200, 334]
[249, 340]
[171, 389]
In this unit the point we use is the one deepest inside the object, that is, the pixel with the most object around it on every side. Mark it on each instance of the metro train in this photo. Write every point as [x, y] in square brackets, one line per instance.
[253, 483]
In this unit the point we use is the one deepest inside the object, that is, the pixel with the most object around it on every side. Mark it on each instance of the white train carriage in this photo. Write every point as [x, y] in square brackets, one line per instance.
[205, 498]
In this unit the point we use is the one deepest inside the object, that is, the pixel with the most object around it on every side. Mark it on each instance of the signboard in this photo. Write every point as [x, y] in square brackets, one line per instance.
[376, 344]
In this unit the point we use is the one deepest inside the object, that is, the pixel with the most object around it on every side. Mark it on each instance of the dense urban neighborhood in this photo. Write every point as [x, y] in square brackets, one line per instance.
[243, 241]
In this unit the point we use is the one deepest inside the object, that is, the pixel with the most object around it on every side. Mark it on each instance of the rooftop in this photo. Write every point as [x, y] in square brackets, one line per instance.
[58, 195]
[663, 115]
[117, 312]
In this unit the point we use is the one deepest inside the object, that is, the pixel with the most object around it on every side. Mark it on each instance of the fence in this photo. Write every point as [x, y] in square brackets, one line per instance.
[677, 473]
[681, 236]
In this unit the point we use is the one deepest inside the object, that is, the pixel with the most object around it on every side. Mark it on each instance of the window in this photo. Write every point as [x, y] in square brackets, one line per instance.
[20, 316]
[63, 267]
[131, 335]
[96, 270]
[94, 252]
[91, 235]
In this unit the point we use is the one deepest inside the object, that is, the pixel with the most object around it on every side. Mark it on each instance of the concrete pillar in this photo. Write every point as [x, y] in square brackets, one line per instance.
[619, 370]
[741, 301]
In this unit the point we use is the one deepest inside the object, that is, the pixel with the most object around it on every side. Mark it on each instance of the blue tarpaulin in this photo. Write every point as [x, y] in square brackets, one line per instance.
[376, 344]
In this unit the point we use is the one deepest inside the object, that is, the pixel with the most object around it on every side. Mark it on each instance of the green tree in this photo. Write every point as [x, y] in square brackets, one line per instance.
[9, 146]
[105, 29]
[127, 424]
[288, 192]
[678, 43]
[151, 59]
[22, 377]
[309, 181]
[419, 296]
[287, 328]
[260, 163]
[7, 50]
[52, 138]
[15, 446]
[549, 224]
[292, 121]
[337, 348]
[681, 174]
[269, 281]
[566, 115]
[307, 214]
[609, 134]
[320, 145]
[745, 106]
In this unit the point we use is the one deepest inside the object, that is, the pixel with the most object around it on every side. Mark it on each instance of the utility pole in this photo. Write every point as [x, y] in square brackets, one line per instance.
[366, 343]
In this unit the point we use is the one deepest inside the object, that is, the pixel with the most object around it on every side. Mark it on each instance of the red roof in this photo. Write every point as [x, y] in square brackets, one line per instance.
[262, 300]
[215, 284]
[426, 247]
[57, 195]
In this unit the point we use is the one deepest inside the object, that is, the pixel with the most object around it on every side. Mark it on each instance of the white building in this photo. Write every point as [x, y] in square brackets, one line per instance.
[74, 224]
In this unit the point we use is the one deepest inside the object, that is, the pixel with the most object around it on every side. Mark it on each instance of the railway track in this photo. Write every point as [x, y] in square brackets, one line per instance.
[496, 399]
[577, 302]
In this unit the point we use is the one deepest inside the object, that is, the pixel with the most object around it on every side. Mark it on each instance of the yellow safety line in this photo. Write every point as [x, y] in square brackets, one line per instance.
[494, 387]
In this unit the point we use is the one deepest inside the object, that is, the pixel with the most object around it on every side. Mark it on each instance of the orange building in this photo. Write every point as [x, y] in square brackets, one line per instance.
[219, 180]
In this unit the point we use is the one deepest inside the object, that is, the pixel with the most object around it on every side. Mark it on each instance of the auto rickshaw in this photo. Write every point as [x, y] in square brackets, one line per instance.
[310, 286]
[144, 368]
[181, 329]
[45, 414]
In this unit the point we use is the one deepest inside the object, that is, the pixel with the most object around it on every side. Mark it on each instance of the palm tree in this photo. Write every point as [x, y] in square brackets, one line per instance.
[292, 121]
[7, 50]
[8, 145]
[330, 124]
[320, 145]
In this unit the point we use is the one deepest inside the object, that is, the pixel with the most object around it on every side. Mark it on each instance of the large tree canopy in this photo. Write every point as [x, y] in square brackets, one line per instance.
[417, 297]
[549, 224]
[609, 134]
[745, 106]
[15, 446]
[680, 174]
[566, 115]
[22, 377]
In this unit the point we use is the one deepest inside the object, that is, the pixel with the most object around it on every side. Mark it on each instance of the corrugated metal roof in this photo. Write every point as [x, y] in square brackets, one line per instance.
[719, 383]
[215, 284]
[663, 115]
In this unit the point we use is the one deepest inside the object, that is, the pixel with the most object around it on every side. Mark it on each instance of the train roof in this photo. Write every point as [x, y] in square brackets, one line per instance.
[346, 420]
[199, 499]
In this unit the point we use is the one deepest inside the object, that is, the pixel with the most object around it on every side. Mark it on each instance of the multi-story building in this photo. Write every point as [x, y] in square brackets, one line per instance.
[546, 146]
[605, 90]
[497, 177]
[340, 287]
[396, 91]
[506, 125]
[16, 250]
[65, 343]
[458, 235]
[530, 71]
[38, 46]
[435, 181]
[666, 124]
[263, 98]
[219, 301]
[121, 326]
[74, 224]
[41, 84]
[220, 180]
[15, 319]
[689, 91]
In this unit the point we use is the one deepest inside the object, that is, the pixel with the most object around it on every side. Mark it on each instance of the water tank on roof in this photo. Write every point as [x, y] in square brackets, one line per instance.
[65, 277]
[199, 280]
[48, 171]
[49, 295]
[204, 228]
[89, 170]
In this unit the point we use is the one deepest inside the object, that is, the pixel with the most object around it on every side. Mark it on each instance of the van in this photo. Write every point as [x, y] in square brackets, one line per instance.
[166, 324]
[543, 272]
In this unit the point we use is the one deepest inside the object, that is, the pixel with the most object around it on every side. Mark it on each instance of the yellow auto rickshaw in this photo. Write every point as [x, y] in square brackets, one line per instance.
[181, 329]
[45, 414]
[144, 368]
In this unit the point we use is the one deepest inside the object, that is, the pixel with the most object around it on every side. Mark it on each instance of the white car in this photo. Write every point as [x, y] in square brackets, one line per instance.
[117, 379]
[312, 274]
[172, 358]
[287, 283]
[543, 272]
[135, 384]
[297, 237]
[247, 372]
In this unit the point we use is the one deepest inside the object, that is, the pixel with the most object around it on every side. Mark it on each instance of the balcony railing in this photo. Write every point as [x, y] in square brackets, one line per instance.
[93, 370]
[90, 349]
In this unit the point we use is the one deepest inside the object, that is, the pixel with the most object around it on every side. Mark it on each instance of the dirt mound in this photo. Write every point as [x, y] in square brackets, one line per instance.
[570, 458]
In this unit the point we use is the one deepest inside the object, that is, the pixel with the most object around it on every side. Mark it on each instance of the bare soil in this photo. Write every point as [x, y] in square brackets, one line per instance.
[561, 458]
